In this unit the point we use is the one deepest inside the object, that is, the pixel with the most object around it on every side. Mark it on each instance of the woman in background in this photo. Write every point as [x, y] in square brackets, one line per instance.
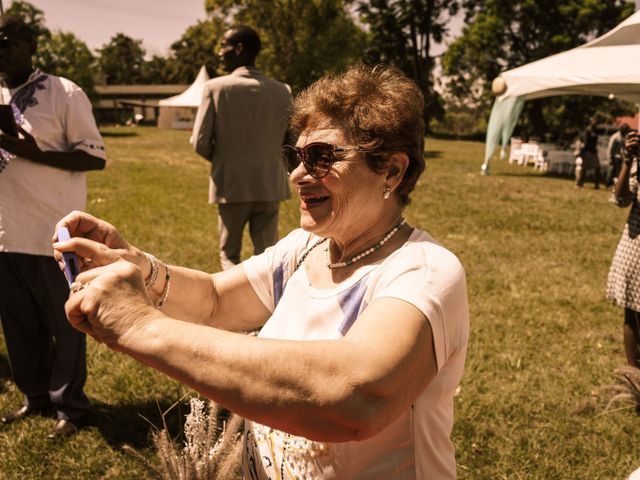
[623, 285]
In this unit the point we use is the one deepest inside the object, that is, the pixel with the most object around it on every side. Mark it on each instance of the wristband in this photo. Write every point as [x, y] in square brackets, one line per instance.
[153, 275]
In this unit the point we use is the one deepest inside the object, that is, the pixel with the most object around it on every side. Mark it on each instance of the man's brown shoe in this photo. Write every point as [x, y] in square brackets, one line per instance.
[18, 414]
[62, 428]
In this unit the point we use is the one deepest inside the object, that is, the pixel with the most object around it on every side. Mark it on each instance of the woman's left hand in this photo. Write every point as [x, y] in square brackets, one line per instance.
[110, 303]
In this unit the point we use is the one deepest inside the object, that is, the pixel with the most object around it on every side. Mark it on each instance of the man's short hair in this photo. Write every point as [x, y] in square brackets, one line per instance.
[249, 38]
[17, 28]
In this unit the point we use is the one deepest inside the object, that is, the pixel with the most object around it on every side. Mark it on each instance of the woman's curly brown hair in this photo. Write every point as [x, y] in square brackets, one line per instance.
[375, 107]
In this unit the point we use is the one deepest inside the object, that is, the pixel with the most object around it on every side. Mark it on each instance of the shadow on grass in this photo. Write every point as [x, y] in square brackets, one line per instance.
[5, 371]
[119, 134]
[534, 175]
[132, 424]
[432, 154]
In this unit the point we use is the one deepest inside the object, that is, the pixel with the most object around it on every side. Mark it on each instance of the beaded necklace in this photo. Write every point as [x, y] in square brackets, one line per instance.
[306, 254]
[368, 251]
[355, 258]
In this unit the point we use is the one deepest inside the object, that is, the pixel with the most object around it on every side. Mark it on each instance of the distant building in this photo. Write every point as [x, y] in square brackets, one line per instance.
[122, 103]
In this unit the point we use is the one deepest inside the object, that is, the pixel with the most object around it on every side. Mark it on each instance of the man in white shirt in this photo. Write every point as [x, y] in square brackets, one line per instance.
[42, 178]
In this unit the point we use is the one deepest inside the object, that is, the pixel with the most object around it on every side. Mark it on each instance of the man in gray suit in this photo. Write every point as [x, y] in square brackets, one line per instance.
[240, 128]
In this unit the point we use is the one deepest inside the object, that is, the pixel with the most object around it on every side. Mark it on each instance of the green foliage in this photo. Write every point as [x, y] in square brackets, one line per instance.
[68, 56]
[122, 60]
[157, 70]
[195, 48]
[32, 16]
[302, 39]
[503, 34]
[401, 33]
[59, 53]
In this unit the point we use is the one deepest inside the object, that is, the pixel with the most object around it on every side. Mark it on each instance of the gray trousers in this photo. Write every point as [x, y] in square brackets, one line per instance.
[262, 218]
[47, 355]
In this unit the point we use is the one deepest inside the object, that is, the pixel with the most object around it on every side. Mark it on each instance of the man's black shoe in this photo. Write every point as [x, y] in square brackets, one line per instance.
[22, 412]
[62, 428]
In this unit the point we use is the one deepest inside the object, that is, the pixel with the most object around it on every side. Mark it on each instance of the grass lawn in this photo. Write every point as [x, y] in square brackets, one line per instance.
[543, 338]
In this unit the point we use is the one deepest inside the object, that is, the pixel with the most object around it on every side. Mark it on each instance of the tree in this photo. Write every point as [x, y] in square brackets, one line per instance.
[401, 33]
[302, 39]
[195, 48]
[67, 56]
[32, 16]
[503, 34]
[122, 60]
[58, 53]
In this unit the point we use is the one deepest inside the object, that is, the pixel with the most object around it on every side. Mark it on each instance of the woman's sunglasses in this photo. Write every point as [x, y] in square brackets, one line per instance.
[317, 157]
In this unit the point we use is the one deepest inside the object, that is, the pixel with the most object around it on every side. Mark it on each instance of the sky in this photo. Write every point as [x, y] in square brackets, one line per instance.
[158, 23]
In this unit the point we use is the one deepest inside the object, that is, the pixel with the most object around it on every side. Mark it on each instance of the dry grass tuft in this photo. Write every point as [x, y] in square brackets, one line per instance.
[627, 390]
[212, 447]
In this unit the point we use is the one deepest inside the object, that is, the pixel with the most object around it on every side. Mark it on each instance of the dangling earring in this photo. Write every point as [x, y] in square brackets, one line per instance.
[386, 193]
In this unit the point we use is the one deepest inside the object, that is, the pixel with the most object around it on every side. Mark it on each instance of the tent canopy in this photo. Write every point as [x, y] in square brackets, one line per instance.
[604, 66]
[192, 96]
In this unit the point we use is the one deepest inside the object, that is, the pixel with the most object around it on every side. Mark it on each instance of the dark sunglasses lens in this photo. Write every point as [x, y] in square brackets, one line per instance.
[319, 160]
[290, 158]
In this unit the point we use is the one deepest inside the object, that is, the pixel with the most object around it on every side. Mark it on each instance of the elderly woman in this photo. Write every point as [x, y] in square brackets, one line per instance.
[363, 318]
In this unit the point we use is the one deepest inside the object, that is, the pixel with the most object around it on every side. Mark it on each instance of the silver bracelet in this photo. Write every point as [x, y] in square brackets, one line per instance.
[153, 275]
[167, 287]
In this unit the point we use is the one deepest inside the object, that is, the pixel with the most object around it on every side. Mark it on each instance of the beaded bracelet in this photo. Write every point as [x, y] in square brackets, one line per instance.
[167, 286]
[153, 275]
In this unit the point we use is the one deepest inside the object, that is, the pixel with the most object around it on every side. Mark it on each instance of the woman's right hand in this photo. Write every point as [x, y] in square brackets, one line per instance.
[632, 144]
[96, 243]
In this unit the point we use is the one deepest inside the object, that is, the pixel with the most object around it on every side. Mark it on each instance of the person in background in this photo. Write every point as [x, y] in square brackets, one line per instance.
[42, 178]
[240, 127]
[623, 283]
[614, 152]
[589, 155]
[364, 319]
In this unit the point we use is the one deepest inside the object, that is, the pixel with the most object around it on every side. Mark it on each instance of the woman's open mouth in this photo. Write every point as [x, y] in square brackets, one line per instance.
[311, 200]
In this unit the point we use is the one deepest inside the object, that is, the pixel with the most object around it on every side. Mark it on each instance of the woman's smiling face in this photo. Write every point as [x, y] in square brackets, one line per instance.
[347, 200]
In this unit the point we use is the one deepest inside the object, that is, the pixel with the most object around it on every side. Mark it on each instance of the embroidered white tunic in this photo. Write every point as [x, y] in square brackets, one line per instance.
[33, 197]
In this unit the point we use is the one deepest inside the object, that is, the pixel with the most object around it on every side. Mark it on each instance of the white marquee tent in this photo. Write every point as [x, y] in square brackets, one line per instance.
[179, 111]
[606, 66]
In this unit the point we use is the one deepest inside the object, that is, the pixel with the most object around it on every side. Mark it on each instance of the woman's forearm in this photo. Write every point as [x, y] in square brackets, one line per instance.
[622, 184]
[303, 388]
[184, 293]
[224, 300]
[328, 390]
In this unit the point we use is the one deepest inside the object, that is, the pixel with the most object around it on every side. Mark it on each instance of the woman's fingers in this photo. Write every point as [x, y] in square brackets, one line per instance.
[81, 224]
[90, 254]
[106, 302]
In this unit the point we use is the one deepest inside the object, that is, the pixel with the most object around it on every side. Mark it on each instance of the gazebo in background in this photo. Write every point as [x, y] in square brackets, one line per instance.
[180, 110]
[606, 66]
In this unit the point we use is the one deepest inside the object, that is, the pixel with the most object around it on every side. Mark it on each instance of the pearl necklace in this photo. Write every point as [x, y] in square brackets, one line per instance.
[356, 257]
[366, 252]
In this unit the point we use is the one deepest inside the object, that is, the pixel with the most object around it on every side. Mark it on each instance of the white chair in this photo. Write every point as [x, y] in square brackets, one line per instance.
[515, 150]
[531, 152]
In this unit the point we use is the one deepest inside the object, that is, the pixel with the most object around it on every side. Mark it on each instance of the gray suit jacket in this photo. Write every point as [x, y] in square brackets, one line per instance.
[240, 127]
